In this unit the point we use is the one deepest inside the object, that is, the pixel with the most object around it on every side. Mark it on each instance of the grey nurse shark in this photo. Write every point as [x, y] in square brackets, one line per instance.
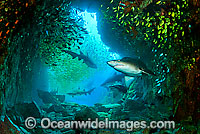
[80, 56]
[130, 67]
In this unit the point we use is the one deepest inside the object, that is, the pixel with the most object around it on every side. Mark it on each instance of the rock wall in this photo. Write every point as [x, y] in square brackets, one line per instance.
[18, 55]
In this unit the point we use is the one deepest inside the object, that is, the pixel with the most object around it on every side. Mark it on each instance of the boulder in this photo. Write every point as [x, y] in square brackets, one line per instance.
[47, 97]
[28, 110]
[86, 113]
[55, 108]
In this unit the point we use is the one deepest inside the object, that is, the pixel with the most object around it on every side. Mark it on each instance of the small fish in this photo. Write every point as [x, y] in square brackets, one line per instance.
[54, 64]
[64, 45]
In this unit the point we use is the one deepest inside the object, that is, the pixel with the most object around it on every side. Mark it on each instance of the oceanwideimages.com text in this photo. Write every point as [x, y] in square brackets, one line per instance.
[46, 123]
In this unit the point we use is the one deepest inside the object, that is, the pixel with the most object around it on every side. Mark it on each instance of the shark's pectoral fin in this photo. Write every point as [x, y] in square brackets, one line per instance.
[128, 81]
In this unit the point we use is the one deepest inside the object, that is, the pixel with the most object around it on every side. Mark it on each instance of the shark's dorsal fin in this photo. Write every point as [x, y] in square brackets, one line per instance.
[128, 80]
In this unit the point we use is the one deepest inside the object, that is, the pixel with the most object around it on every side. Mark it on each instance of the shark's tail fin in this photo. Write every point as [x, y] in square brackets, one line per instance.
[149, 72]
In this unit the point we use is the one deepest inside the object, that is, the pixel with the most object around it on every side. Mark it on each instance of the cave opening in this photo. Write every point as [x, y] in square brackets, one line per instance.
[64, 61]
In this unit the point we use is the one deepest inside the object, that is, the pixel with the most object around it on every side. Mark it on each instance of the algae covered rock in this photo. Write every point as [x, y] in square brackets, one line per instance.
[86, 113]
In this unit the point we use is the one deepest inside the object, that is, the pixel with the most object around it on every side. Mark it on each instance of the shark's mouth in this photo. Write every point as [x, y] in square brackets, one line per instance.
[119, 65]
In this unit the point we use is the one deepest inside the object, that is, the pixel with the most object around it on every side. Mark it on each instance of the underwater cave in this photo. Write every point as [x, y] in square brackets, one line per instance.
[100, 67]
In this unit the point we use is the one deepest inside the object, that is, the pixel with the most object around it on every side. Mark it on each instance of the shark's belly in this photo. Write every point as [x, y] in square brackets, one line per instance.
[133, 72]
[129, 70]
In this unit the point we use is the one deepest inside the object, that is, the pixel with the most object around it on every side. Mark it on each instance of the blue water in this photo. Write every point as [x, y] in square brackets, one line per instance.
[98, 95]
[97, 51]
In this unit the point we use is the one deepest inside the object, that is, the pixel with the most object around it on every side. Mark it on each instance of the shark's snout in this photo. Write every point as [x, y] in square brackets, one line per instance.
[112, 63]
[108, 62]
[115, 63]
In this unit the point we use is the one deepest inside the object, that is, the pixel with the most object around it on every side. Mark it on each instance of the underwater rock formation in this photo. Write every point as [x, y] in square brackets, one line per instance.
[47, 97]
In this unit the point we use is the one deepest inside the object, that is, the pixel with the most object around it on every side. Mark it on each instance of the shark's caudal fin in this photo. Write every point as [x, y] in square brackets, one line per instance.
[149, 72]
